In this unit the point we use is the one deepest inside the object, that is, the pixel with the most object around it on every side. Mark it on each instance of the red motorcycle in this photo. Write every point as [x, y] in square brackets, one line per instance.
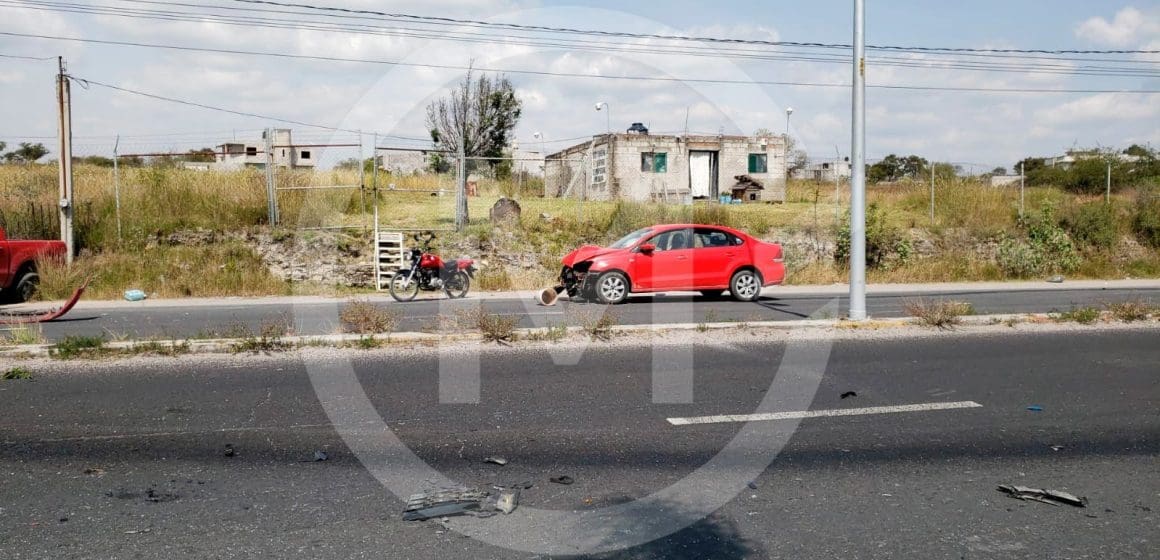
[429, 273]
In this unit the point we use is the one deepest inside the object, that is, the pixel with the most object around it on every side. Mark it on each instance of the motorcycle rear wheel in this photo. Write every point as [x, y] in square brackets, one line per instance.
[401, 292]
[457, 285]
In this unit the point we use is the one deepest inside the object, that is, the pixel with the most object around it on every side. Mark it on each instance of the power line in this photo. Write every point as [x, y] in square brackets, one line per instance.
[86, 82]
[833, 58]
[575, 75]
[594, 32]
[22, 57]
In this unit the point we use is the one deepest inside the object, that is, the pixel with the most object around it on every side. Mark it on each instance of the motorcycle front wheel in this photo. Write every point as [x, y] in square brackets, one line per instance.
[457, 285]
[402, 290]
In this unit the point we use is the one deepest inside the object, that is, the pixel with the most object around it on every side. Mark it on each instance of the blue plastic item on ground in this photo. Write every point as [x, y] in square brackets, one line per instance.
[134, 295]
[1035, 408]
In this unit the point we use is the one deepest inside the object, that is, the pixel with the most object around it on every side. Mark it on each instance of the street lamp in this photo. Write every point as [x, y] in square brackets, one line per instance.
[788, 112]
[607, 115]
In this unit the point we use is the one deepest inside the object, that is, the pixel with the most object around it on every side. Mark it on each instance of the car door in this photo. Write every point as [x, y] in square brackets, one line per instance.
[670, 266]
[714, 257]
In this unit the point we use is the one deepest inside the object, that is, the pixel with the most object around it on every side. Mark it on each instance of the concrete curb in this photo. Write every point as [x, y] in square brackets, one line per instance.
[820, 290]
[290, 343]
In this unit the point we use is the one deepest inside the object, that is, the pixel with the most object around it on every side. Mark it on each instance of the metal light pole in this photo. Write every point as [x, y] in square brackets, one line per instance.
[788, 112]
[858, 171]
[544, 157]
[932, 193]
[603, 105]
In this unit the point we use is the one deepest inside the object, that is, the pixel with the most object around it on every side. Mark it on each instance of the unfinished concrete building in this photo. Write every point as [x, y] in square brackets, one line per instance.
[678, 169]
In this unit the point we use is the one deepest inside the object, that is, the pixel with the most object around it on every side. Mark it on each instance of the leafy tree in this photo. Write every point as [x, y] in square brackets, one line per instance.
[3, 145]
[888, 168]
[478, 115]
[1133, 150]
[202, 155]
[99, 161]
[26, 153]
[999, 171]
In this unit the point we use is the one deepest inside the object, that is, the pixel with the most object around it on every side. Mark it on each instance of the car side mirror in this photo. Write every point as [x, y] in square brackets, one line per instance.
[648, 248]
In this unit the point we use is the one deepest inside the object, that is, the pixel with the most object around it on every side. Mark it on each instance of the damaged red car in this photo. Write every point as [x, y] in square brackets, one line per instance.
[674, 257]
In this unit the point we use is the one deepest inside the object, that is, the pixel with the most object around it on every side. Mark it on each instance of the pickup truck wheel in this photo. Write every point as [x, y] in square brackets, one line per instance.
[26, 287]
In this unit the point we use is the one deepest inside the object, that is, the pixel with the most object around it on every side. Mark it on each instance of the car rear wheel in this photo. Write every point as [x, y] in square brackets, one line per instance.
[611, 288]
[745, 285]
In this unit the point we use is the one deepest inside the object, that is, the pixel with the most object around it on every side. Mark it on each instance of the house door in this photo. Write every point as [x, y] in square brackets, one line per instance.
[703, 175]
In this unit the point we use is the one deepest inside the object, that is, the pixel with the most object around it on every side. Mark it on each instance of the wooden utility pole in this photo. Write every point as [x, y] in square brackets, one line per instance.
[64, 105]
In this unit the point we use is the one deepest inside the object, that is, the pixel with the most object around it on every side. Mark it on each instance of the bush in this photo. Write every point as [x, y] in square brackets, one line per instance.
[1046, 248]
[886, 245]
[942, 314]
[1146, 222]
[363, 317]
[1093, 225]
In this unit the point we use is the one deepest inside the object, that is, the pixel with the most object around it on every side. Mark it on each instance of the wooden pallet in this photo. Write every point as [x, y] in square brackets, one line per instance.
[389, 257]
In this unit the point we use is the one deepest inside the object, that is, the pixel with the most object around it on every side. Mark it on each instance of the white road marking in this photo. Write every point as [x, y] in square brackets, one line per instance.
[722, 418]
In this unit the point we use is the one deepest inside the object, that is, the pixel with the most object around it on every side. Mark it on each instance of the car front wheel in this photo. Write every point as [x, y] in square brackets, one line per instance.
[745, 285]
[611, 288]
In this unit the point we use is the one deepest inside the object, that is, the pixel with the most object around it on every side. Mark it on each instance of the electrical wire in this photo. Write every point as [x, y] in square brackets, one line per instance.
[588, 76]
[1041, 68]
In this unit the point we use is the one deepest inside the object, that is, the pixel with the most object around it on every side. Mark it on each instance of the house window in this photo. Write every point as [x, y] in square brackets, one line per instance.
[305, 154]
[654, 162]
[251, 150]
[758, 163]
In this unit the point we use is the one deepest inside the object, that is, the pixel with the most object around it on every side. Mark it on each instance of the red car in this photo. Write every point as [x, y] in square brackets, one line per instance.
[18, 277]
[674, 257]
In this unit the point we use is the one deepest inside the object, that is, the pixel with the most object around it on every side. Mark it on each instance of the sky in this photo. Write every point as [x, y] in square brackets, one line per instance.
[978, 130]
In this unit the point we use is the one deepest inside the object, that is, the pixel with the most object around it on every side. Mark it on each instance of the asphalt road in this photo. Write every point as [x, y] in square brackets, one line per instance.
[129, 321]
[125, 460]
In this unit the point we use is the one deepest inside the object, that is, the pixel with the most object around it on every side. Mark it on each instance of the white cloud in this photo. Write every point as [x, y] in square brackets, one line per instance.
[1129, 26]
[1102, 107]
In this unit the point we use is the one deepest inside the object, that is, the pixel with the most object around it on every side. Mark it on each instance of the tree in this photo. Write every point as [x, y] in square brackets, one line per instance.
[26, 153]
[3, 145]
[99, 161]
[887, 169]
[202, 155]
[999, 171]
[1133, 150]
[477, 116]
[795, 159]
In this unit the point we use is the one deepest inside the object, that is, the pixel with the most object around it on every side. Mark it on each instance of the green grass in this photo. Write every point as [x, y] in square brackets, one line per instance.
[72, 347]
[17, 372]
[1084, 315]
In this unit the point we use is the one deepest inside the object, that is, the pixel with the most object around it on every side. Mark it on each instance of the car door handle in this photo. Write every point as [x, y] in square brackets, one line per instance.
[682, 258]
[729, 254]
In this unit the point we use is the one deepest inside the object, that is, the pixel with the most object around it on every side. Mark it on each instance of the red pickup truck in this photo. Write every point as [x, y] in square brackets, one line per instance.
[18, 278]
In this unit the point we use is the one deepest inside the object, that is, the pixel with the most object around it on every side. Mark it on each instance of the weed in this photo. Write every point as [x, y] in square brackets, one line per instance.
[17, 373]
[25, 334]
[941, 314]
[71, 347]
[1129, 311]
[269, 339]
[599, 325]
[368, 342]
[1085, 315]
[492, 326]
[157, 348]
[363, 317]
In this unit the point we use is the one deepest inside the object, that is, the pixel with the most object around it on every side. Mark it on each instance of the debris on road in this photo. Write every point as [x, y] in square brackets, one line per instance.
[1055, 447]
[320, 456]
[134, 295]
[1053, 497]
[229, 450]
[849, 394]
[1057, 279]
[564, 479]
[506, 501]
[465, 501]
[752, 485]
[1035, 408]
[443, 503]
[495, 460]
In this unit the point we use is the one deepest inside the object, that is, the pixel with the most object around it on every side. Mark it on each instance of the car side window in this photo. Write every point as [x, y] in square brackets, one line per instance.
[673, 240]
[709, 238]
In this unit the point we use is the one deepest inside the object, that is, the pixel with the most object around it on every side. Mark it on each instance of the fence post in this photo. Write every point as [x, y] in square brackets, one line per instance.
[932, 193]
[117, 184]
[271, 193]
[1022, 178]
[461, 189]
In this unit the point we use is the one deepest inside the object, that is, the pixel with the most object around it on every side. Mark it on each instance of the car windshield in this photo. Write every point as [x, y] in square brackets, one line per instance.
[630, 239]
